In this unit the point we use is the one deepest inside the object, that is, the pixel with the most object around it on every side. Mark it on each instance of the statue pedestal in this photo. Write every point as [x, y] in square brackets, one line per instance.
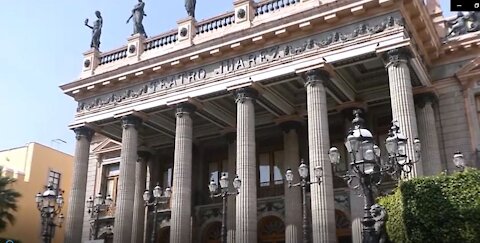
[186, 30]
[244, 11]
[91, 60]
[135, 46]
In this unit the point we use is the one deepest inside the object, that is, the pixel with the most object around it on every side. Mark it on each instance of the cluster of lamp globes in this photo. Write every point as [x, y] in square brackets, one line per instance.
[213, 186]
[50, 204]
[98, 201]
[365, 154]
[157, 194]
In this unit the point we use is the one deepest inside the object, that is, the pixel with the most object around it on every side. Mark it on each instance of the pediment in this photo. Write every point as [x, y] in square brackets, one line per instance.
[107, 145]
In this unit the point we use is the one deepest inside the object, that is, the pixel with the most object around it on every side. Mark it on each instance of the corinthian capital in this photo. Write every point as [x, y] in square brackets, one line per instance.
[316, 76]
[396, 56]
[83, 132]
[242, 94]
[131, 121]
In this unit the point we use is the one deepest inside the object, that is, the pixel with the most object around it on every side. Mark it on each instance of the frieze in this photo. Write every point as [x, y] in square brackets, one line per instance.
[245, 62]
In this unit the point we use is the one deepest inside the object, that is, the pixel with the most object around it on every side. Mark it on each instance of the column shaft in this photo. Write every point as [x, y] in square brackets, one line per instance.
[246, 206]
[180, 222]
[403, 109]
[432, 164]
[293, 209]
[322, 198]
[232, 146]
[138, 226]
[76, 205]
[122, 230]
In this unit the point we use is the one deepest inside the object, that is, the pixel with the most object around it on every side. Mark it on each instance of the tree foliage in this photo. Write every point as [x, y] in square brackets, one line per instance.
[8, 202]
[435, 209]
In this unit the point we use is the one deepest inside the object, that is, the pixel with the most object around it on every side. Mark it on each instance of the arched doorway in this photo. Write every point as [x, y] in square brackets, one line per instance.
[212, 233]
[344, 232]
[271, 229]
[163, 235]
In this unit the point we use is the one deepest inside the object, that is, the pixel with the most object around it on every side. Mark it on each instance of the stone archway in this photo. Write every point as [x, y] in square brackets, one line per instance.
[212, 233]
[271, 229]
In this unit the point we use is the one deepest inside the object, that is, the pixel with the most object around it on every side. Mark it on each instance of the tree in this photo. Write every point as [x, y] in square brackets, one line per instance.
[8, 202]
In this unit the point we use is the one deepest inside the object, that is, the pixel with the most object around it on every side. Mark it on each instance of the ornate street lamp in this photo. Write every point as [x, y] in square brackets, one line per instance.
[50, 205]
[366, 168]
[303, 172]
[458, 160]
[95, 208]
[158, 199]
[224, 193]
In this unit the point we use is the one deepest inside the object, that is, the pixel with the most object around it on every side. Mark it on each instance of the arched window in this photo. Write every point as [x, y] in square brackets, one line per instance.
[271, 229]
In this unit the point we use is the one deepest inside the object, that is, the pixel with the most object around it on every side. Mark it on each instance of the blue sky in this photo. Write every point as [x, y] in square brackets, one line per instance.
[43, 42]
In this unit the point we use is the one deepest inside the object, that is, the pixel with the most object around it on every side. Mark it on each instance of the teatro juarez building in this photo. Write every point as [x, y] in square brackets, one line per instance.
[251, 93]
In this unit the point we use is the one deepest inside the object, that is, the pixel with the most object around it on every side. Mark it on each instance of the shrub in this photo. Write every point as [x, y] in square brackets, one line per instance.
[435, 209]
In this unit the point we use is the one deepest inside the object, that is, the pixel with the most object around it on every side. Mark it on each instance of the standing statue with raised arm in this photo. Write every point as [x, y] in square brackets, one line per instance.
[190, 7]
[96, 30]
[137, 15]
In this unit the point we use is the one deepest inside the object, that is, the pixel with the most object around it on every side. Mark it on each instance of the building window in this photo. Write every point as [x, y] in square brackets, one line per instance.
[54, 179]
[111, 180]
[167, 177]
[216, 169]
[269, 168]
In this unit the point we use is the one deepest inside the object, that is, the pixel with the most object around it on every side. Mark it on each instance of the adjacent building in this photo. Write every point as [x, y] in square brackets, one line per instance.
[34, 166]
[251, 93]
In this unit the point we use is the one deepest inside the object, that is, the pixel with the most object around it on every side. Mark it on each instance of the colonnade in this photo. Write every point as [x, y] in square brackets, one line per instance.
[243, 227]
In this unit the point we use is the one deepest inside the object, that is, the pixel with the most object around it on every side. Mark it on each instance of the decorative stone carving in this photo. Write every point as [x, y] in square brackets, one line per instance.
[183, 32]
[422, 99]
[190, 7]
[379, 214]
[271, 206]
[395, 56]
[251, 60]
[137, 14]
[83, 132]
[86, 63]
[131, 121]
[96, 30]
[464, 23]
[316, 76]
[132, 49]
[245, 93]
[241, 13]
[185, 108]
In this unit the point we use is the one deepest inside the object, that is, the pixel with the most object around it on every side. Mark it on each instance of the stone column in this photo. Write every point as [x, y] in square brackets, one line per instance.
[246, 206]
[293, 202]
[401, 95]
[322, 198]
[232, 172]
[138, 225]
[122, 230]
[431, 161]
[76, 203]
[180, 222]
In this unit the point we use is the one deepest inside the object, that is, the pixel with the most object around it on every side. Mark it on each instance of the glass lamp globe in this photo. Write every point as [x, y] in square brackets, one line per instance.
[303, 170]
[157, 191]
[334, 155]
[212, 186]
[168, 192]
[458, 160]
[146, 196]
[237, 183]
[224, 181]
[318, 172]
[108, 200]
[289, 175]
[98, 199]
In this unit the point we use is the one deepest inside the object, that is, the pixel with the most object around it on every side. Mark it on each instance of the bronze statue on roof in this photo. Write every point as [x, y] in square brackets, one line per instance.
[190, 7]
[137, 15]
[96, 30]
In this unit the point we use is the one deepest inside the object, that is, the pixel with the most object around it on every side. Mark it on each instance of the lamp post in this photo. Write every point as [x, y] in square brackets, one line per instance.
[95, 207]
[224, 193]
[303, 172]
[50, 205]
[366, 168]
[158, 199]
[458, 160]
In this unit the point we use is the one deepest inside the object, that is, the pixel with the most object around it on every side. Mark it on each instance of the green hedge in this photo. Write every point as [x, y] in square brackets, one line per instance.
[435, 209]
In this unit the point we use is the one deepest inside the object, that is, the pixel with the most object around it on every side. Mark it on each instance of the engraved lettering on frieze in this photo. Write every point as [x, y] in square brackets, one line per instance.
[256, 59]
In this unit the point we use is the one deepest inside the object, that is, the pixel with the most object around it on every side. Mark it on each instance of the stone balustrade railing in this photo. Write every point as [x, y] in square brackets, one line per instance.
[113, 56]
[161, 40]
[216, 23]
[272, 5]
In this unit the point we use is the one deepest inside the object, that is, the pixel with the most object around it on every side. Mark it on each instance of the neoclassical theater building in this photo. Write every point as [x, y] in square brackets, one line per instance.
[251, 93]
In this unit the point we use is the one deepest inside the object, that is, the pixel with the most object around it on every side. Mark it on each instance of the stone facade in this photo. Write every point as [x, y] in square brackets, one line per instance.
[245, 75]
